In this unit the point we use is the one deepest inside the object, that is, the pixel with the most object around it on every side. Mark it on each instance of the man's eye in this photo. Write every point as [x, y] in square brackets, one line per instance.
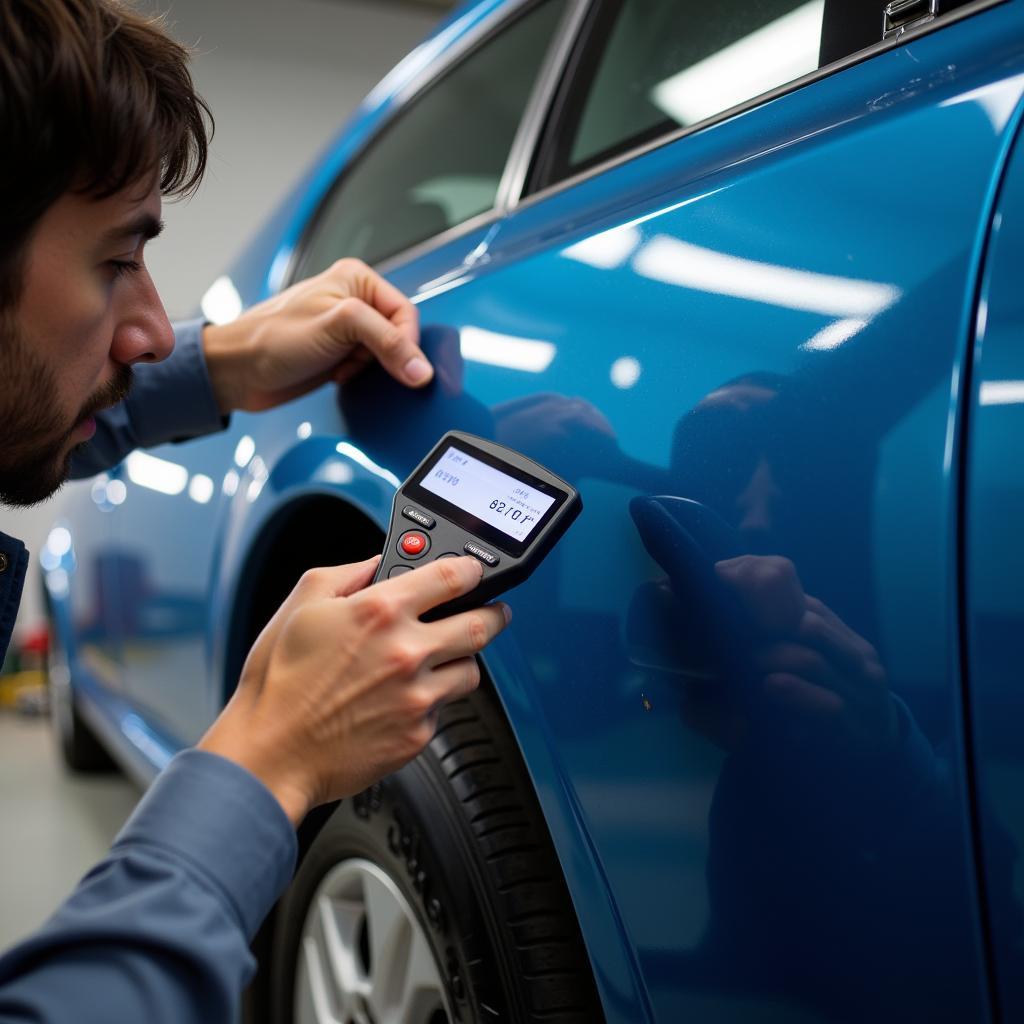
[122, 267]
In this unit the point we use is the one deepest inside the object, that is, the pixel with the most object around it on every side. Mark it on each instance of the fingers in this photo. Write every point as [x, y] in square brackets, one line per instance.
[768, 587]
[379, 292]
[822, 629]
[799, 695]
[799, 660]
[383, 320]
[453, 681]
[430, 585]
[466, 633]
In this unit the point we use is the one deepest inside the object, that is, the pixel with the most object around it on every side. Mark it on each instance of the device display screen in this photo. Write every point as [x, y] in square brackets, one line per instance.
[507, 503]
[502, 504]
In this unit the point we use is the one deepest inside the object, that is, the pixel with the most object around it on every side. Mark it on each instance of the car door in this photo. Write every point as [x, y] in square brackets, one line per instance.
[736, 321]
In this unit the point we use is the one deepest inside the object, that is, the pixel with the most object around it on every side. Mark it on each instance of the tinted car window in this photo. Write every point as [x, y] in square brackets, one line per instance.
[648, 67]
[441, 161]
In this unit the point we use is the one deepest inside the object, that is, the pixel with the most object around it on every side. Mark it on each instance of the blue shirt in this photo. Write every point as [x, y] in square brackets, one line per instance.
[159, 930]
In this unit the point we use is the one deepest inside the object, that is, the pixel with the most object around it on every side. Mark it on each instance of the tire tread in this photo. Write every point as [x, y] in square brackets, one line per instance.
[480, 759]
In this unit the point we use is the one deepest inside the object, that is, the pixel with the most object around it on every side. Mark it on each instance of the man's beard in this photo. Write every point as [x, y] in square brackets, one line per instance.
[35, 459]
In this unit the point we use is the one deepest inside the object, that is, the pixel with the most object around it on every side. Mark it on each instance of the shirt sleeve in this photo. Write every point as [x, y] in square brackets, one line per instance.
[170, 401]
[159, 930]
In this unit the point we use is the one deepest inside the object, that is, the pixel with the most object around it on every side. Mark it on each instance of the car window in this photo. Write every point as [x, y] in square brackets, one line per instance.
[648, 68]
[441, 160]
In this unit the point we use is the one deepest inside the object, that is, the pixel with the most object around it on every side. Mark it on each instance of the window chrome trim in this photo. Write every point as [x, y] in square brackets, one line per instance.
[868, 53]
[428, 245]
[527, 138]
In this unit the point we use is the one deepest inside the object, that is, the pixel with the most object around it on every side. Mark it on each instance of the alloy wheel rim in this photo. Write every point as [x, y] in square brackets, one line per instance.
[363, 957]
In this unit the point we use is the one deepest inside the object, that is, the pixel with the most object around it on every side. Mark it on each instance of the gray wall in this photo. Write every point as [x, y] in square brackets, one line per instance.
[280, 76]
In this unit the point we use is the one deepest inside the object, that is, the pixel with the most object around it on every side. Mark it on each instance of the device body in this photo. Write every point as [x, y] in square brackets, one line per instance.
[474, 496]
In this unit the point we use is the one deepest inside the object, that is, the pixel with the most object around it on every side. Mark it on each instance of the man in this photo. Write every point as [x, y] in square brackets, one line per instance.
[99, 120]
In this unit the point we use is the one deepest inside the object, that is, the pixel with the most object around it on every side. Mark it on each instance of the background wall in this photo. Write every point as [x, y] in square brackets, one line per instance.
[281, 77]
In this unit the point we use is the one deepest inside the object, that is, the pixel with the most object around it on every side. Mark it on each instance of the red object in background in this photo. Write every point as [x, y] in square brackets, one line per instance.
[35, 641]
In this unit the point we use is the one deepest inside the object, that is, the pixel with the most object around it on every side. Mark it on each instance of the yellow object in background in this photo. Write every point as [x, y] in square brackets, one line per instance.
[24, 691]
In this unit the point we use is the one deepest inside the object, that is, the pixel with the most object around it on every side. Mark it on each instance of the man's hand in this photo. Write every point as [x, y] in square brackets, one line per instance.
[344, 684]
[325, 328]
[811, 663]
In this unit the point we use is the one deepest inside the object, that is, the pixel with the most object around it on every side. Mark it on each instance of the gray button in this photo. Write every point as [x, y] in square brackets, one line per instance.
[397, 570]
[418, 517]
[485, 556]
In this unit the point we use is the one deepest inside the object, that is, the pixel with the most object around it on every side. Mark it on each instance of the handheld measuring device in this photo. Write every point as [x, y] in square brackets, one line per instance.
[471, 496]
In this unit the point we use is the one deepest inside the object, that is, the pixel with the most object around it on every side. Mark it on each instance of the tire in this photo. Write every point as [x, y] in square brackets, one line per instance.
[80, 750]
[456, 843]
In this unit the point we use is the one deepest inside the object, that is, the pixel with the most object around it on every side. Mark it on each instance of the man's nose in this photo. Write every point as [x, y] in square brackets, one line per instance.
[143, 333]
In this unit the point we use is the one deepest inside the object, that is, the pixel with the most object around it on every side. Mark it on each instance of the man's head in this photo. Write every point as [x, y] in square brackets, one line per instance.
[99, 119]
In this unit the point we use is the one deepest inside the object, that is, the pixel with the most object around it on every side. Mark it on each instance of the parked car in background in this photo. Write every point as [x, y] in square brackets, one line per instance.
[746, 274]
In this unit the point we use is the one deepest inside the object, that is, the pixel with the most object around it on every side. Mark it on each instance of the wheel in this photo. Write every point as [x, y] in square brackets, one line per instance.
[435, 897]
[80, 750]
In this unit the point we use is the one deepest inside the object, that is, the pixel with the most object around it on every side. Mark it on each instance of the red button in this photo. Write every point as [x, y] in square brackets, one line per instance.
[413, 544]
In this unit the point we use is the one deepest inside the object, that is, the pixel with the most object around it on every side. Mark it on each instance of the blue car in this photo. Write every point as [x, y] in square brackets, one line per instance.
[748, 276]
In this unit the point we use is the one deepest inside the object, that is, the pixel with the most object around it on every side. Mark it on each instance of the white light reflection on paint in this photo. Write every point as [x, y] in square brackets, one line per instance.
[625, 372]
[138, 734]
[1001, 392]
[260, 474]
[156, 474]
[360, 458]
[607, 250]
[200, 488]
[997, 102]
[835, 334]
[230, 484]
[244, 451]
[679, 263]
[337, 473]
[528, 354]
[117, 491]
[98, 491]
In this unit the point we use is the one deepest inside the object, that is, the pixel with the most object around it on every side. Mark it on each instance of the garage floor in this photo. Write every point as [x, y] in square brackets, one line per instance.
[55, 826]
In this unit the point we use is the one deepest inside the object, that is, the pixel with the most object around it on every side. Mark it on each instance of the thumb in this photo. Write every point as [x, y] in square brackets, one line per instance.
[393, 344]
[316, 585]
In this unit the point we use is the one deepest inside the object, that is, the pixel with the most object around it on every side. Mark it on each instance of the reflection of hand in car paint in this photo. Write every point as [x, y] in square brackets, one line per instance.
[548, 426]
[805, 661]
[829, 798]
[546, 423]
[744, 489]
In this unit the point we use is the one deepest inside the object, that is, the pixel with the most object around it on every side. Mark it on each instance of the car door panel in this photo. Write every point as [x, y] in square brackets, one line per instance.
[778, 342]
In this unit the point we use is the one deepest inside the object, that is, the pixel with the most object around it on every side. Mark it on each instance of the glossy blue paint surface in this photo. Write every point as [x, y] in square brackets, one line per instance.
[745, 347]
[994, 511]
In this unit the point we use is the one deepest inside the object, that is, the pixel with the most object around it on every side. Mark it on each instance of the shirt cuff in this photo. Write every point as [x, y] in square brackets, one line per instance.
[173, 400]
[222, 822]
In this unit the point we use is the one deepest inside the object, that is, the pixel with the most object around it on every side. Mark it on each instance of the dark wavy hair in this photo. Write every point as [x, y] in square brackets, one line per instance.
[94, 97]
